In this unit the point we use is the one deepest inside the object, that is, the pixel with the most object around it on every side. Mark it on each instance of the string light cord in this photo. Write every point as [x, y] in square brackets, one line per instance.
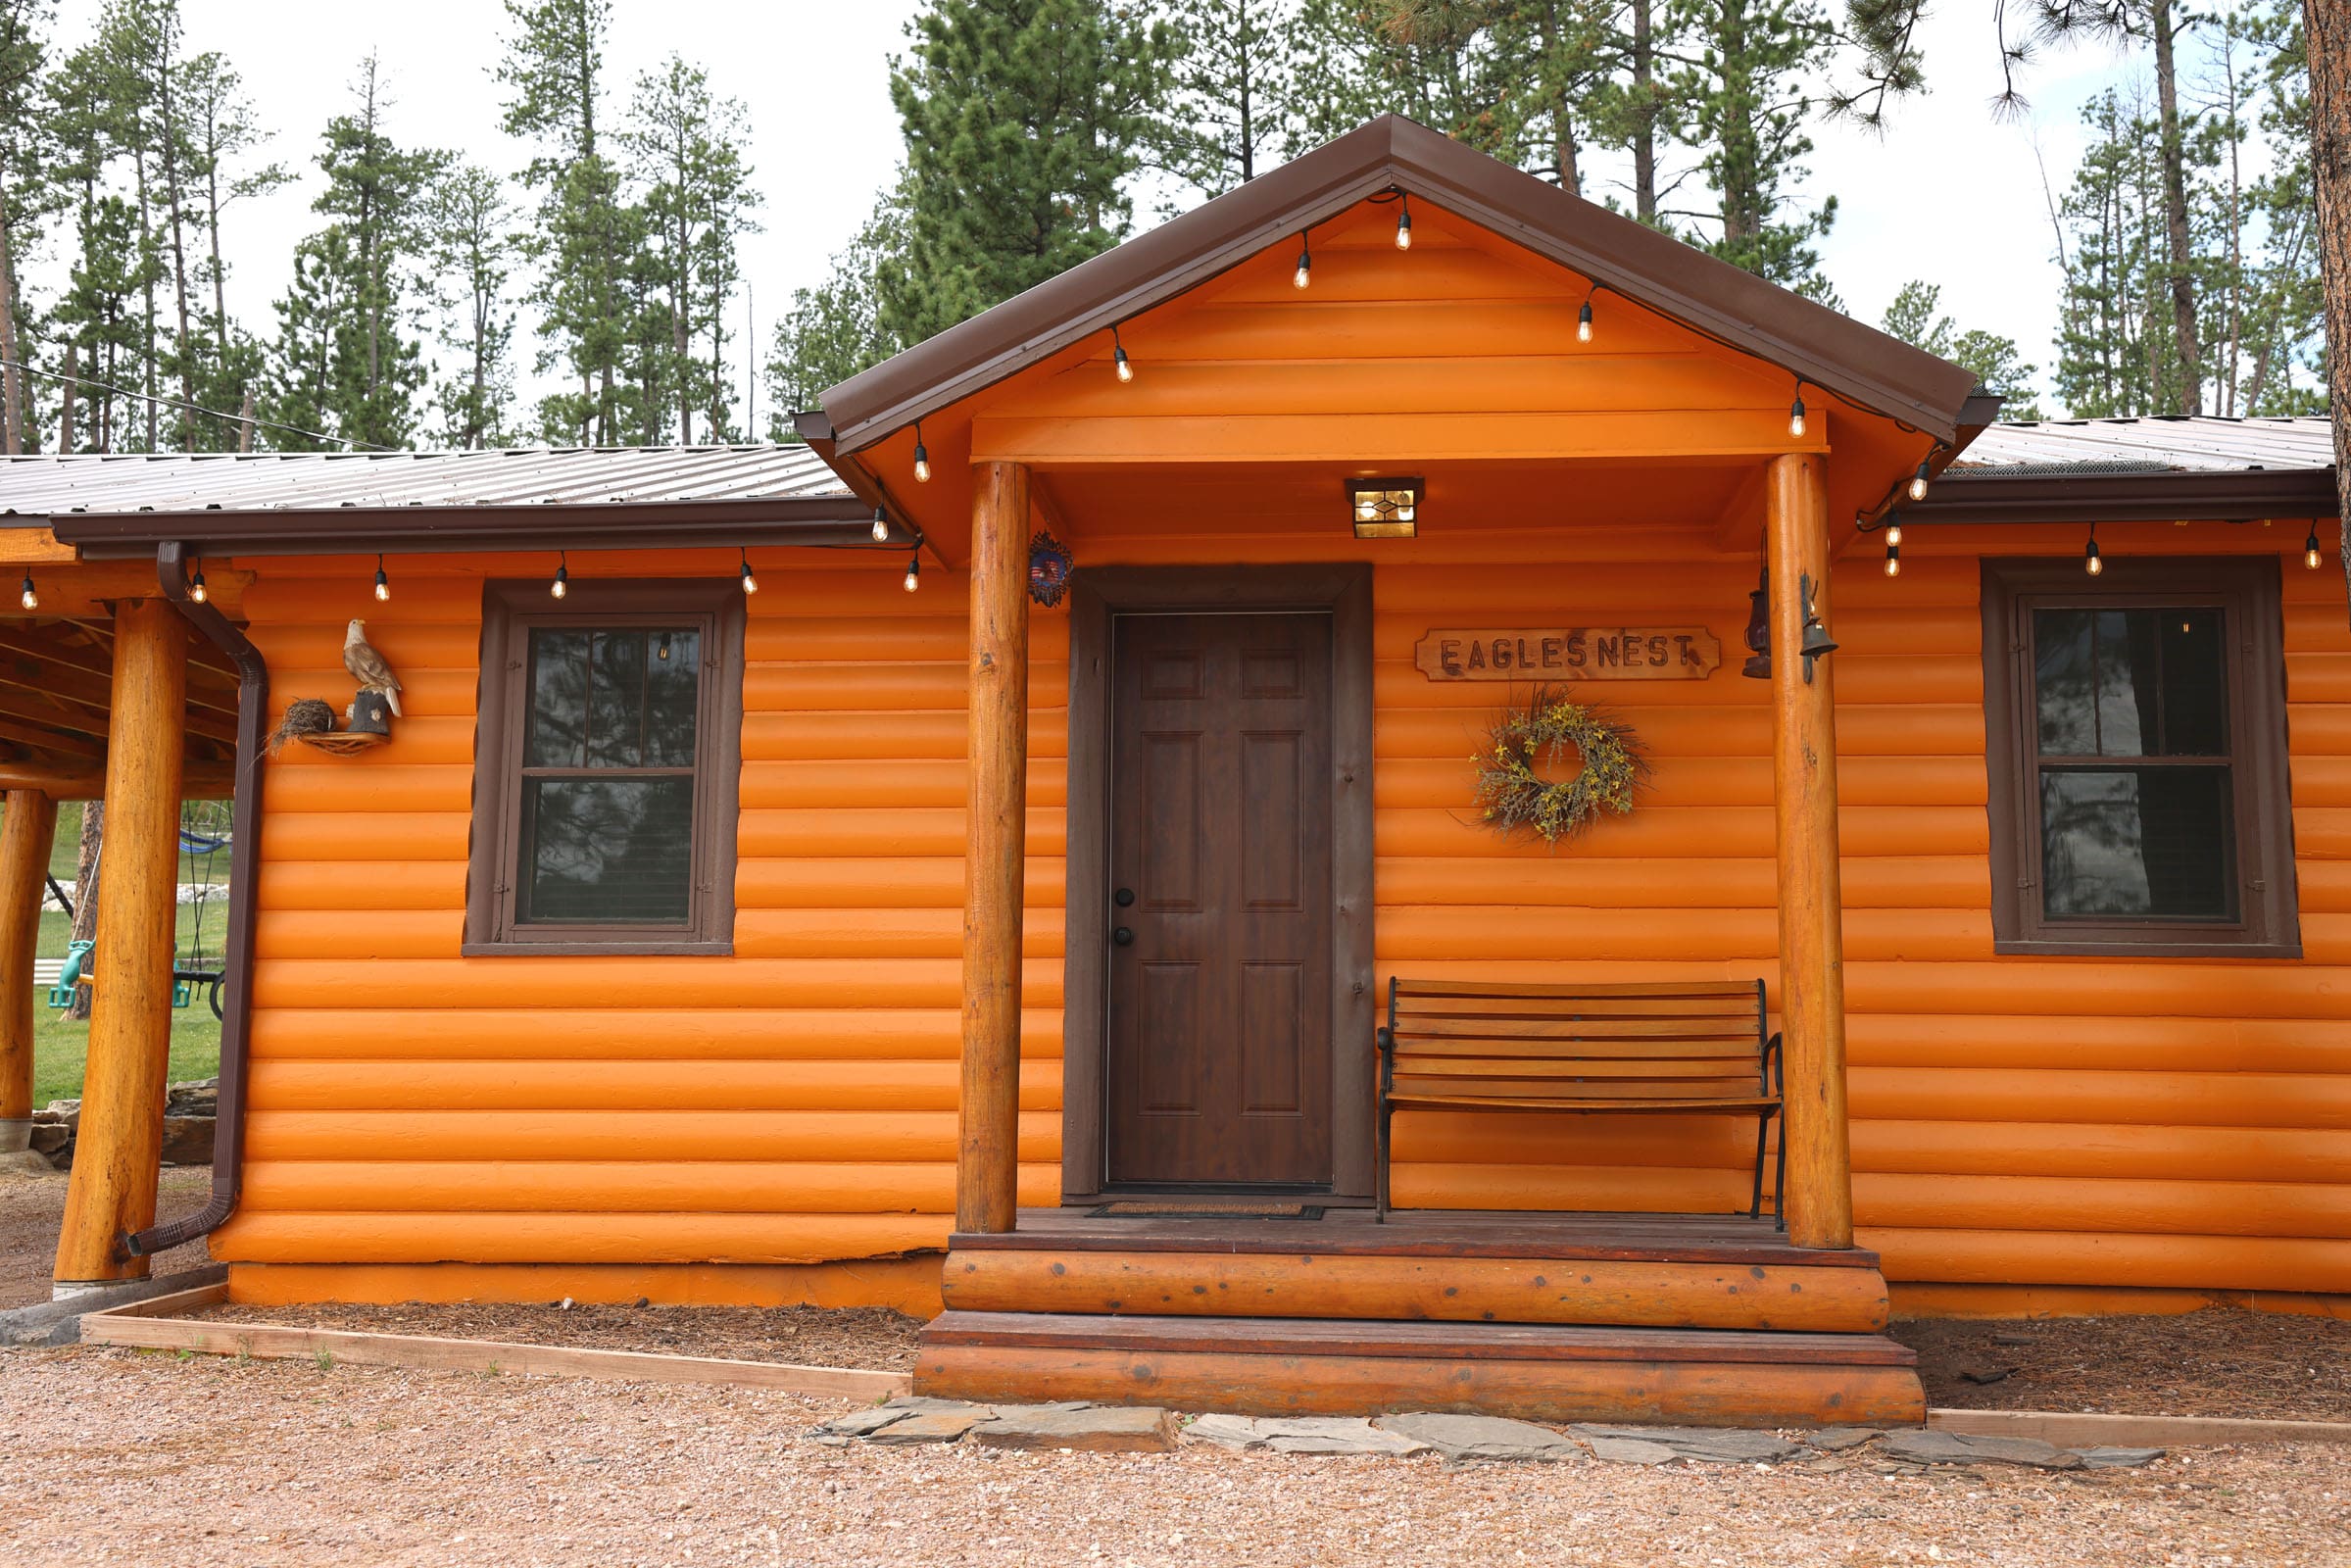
[257, 421]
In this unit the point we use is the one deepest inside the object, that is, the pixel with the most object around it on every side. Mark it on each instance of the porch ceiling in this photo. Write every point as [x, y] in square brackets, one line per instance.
[56, 681]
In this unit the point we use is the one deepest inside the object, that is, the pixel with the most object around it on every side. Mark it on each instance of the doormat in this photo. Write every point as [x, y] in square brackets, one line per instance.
[1211, 1209]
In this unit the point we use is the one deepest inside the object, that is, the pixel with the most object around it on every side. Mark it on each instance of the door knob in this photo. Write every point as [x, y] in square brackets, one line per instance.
[1123, 936]
[1123, 897]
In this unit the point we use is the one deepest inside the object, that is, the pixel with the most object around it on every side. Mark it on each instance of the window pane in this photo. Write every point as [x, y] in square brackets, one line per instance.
[559, 687]
[617, 701]
[2148, 842]
[2063, 683]
[2195, 719]
[673, 687]
[607, 851]
[2127, 684]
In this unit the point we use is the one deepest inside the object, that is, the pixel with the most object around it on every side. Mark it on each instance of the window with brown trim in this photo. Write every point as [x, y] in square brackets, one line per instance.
[606, 758]
[2135, 737]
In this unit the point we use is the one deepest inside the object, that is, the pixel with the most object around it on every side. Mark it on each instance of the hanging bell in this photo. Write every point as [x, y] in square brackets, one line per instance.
[1759, 633]
[1816, 640]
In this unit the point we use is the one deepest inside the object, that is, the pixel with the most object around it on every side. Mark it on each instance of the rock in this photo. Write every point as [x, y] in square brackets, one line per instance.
[187, 1140]
[1631, 1450]
[1480, 1436]
[923, 1403]
[1089, 1429]
[1836, 1440]
[1715, 1445]
[1228, 1430]
[26, 1162]
[50, 1138]
[932, 1426]
[860, 1423]
[1985, 1372]
[2118, 1458]
[1335, 1434]
[1960, 1447]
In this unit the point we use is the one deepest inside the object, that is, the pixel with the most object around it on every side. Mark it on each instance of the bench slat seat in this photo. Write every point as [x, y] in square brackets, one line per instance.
[1649, 1048]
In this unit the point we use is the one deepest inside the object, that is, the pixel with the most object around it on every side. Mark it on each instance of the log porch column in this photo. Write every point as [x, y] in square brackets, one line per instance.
[1812, 986]
[995, 849]
[119, 1145]
[24, 835]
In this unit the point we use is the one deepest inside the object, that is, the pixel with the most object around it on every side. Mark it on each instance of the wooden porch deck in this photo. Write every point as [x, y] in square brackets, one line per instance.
[1620, 1317]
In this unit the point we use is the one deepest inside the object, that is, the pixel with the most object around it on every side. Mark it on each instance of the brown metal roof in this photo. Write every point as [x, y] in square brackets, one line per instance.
[1828, 350]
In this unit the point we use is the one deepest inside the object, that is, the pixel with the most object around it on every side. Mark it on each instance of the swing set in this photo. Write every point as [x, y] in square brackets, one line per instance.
[202, 835]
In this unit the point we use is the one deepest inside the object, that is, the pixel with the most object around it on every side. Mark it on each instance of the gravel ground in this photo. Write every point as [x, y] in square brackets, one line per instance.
[871, 1337]
[2216, 1362]
[31, 1207]
[122, 1457]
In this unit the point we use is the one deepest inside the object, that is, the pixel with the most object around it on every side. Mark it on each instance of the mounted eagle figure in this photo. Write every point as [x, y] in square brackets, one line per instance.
[368, 667]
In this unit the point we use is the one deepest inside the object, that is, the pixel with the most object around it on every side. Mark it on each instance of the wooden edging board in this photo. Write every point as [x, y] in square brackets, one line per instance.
[2067, 1430]
[156, 1325]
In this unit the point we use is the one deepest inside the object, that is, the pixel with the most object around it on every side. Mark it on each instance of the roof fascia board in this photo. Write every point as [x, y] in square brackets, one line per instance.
[2166, 496]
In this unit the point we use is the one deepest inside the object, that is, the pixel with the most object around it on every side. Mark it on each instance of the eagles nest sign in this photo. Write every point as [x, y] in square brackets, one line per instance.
[1570, 653]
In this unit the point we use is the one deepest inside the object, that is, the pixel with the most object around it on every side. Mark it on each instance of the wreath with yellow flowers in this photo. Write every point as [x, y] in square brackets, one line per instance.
[1550, 733]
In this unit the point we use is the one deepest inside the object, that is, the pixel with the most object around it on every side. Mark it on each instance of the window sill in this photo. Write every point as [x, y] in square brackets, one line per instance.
[2141, 948]
[625, 949]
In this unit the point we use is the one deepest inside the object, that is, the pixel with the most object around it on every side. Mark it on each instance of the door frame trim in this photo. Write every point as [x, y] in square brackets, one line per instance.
[1095, 595]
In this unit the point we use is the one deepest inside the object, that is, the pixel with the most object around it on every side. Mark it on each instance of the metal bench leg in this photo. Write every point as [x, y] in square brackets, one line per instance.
[1780, 1183]
[1763, 1128]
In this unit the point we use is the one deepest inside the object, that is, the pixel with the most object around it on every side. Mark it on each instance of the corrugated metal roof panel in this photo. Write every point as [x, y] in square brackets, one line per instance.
[40, 485]
[2184, 442]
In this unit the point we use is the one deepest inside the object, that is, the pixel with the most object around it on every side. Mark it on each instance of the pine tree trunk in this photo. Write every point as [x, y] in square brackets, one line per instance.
[138, 162]
[2188, 398]
[1645, 115]
[86, 868]
[64, 422]
[179, 254]
[2328, 25]
[12, 379]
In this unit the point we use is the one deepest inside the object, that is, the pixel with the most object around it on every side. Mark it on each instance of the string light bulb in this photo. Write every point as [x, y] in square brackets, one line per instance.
[383, 584]
[196, 588]
[1796, 414]
[1893, 554]
[751, 584]
[562, 576]
[1918, 482]
[26, 597]
[881, 526]
[1584, 322]
[913, 572]
[1404, 222]
[1118, 357]
[2310, 548]
[1893, 530]
[2091, 562]
[922, 459]
[1305, 263]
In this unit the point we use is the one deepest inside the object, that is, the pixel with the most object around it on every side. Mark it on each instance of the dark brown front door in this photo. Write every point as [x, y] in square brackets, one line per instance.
[1219, 1062]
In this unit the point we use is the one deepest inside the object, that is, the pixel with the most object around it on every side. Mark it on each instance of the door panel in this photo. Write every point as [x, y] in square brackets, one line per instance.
[1218, 1070]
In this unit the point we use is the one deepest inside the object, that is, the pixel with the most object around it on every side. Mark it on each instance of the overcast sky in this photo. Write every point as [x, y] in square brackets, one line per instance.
[1946, 194]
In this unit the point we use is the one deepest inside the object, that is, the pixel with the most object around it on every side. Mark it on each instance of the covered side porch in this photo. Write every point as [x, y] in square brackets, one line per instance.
[1257, 780]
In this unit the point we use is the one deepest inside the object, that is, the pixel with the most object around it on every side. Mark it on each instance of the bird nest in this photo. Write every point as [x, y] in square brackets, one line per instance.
[1547, 736]
[305, 718]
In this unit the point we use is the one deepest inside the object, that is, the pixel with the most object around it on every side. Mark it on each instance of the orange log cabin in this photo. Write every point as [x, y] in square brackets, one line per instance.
[1018, 950]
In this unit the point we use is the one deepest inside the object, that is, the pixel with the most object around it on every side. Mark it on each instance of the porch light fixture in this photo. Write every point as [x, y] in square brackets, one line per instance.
[2310, 548]
[383, 584]
[1759, 630]
[2091, 562]
[196, 588]
[1796, 414]
[562, 576]
[922, 459]
[751, 584]
[881, 526]
[1384, 509]
[1118, 357]
[913, 572]
[26, 597]
[1305, 263]
[1918, 482]
[1404, 222]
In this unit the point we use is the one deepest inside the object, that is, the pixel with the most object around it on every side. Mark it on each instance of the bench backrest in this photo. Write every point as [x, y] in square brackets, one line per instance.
[1474, 1039]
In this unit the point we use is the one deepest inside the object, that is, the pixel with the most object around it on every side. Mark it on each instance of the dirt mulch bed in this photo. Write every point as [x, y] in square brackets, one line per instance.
[31, 1207]
[873, 1338]
[2216, 1362]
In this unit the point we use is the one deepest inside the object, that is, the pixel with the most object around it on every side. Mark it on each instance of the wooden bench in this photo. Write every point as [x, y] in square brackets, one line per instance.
[1651, 1049]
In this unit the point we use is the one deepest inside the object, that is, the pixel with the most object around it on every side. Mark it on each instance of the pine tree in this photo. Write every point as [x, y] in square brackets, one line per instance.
[99, 315]
[221, 132]
[467, 221]
[25, 197]
[314, 317]
[1913, 317]
[684, 151]
[1445, 66]
[834, 331]
[1747, 72]
[1233, 104]
[1023, 119]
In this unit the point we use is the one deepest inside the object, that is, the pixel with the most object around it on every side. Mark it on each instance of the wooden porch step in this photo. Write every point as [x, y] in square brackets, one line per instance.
[1270, 1366]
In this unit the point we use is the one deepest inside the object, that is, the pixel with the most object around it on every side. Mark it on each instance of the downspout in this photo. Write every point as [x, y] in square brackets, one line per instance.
[244, 861]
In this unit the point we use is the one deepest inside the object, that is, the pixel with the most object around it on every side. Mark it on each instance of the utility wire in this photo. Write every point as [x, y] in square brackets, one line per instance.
[195, 408]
